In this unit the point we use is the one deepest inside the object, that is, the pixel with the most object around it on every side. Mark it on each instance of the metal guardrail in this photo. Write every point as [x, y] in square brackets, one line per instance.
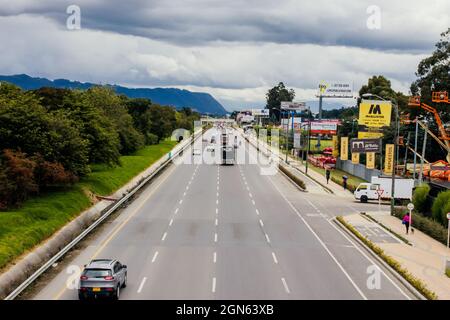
[103, 217]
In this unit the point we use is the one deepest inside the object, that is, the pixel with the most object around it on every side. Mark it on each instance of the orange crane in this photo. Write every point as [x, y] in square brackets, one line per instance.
[438, 97]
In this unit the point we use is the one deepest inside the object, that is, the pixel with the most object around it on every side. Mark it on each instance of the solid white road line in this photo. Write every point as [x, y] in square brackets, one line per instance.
[215, 257]
[274, 258]
[285, 285]
[164, 236]
[213, 289]
[141, 285]
[154, 256]
[320, 241]
[170, 223]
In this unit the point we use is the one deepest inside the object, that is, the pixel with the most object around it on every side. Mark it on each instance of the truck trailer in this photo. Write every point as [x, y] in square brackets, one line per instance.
[382, 187]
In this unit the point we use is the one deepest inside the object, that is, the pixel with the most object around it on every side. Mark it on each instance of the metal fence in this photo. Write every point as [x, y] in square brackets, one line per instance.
[358, 170]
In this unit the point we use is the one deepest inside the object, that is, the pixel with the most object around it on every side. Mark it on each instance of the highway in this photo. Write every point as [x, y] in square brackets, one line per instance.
[202, 231]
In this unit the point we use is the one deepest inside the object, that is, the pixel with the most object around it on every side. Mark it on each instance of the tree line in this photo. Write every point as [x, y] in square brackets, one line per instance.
[49, 137]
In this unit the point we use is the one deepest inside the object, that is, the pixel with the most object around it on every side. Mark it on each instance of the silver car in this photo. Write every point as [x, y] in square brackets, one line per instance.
[102, 278]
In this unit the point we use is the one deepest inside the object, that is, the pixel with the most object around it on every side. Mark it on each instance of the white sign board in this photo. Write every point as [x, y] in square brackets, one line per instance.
[293, 106]
[260, 112]
[297, 139]
[247, 118]
[335, 89]
[410, 206]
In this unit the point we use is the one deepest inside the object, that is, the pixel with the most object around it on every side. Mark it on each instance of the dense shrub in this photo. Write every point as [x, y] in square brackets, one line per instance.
[420, 198]
[151, 139]
[441, 206]
[17, 180]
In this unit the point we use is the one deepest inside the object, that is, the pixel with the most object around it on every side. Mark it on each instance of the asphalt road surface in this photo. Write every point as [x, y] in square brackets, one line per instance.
[206, 231]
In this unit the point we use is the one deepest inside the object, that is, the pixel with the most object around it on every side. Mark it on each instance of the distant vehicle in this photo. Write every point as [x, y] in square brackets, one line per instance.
[213, 139]
[228, 155]
[370, 191]
[196, 152]
[210, 149]
[102, 278]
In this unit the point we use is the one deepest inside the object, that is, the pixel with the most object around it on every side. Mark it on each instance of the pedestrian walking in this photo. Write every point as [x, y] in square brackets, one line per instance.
[406, 220]
[327, 174]
[344, 182]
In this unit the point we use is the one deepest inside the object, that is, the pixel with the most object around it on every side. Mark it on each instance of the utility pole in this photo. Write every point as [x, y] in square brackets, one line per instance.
[394, 160]
[423, 156]
[309, 141]
[415, 150]
[320, 119]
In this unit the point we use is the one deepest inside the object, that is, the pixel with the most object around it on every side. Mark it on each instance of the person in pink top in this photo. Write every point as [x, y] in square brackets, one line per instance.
[406, 220]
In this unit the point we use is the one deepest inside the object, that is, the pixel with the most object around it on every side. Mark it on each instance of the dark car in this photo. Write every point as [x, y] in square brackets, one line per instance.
[102, 278]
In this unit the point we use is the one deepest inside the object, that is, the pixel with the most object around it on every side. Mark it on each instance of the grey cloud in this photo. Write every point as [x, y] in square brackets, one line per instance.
[188, 22]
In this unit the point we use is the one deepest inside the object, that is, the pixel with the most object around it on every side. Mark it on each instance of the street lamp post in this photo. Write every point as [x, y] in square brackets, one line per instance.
[396, 129]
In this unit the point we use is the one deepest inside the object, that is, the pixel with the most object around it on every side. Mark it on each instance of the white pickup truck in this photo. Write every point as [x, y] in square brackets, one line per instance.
[382, 186]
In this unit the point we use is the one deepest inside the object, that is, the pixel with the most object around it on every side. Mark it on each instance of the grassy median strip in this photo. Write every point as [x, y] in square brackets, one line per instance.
[21, 229]
[415, 282]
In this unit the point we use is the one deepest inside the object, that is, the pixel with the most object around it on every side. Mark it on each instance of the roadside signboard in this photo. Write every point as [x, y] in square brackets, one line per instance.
[369, 135]
[260, 113]
[335, 89]
[389, 159]
[365, 145]
[344, 148]
[375, 113]
[293, 106]
[297, 140]
[355, 158]
[324, 127]
[410, 206]
[335, 146]
[370, 160]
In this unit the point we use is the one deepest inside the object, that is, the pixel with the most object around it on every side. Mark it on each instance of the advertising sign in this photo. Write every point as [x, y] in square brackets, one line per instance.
[324, 127]
[369, 135]
[260, 113]
[355, 158]
[370, 160]
[335, 146]
[297, 140]
[389, 159]
[293, 106]
[375, 113]
[335, 89]
[344, 148]
[365, 145]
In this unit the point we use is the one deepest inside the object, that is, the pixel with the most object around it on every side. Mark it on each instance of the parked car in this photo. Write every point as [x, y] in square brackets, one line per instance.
[102, 278]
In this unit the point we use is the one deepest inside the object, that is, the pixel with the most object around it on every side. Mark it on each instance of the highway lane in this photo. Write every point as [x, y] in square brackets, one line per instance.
[226, 232]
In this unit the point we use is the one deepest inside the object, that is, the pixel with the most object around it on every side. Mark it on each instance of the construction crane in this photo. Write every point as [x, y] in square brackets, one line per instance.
[438, 97]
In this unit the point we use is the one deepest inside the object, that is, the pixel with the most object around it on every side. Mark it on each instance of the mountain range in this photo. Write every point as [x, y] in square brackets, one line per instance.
[178, 98]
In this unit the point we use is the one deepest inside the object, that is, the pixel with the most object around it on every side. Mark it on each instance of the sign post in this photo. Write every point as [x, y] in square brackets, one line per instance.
[380, 193]
[410, 207]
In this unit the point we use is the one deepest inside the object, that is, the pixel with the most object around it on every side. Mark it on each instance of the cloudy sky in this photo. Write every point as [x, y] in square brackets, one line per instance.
[232, 49]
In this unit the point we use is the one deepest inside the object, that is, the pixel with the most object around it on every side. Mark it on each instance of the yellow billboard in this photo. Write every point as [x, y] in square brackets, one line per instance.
[369, 135]
[370, 160]
[389, 159]
[375, 113]
[344, 148]
[335, 146]
[355, 158]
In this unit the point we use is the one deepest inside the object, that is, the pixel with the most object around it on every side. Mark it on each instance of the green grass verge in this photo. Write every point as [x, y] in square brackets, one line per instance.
[447, 272]
[323, 144]
[336, 176]
[41, 216]
[415, 282]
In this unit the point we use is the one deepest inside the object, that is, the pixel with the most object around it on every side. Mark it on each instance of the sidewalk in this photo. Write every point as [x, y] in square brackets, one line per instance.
[425, 259]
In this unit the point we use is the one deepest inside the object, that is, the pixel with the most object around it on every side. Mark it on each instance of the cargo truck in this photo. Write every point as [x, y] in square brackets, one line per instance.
[381, 187]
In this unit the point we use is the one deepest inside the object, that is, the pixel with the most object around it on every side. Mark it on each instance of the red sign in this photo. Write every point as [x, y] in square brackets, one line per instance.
[380, 192]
